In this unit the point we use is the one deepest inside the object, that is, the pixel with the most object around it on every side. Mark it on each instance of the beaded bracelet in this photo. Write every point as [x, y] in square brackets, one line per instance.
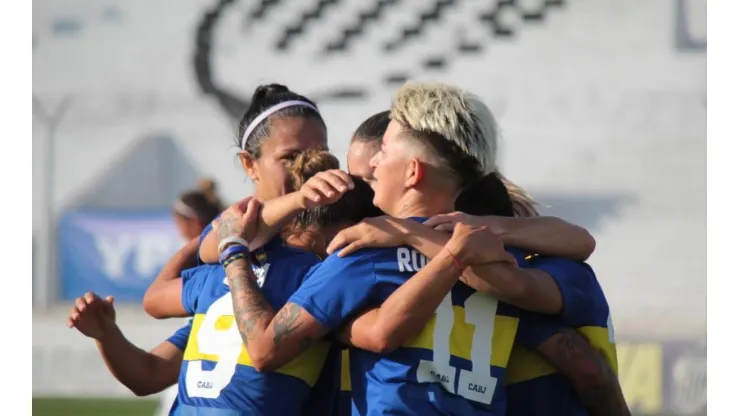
[232, 259]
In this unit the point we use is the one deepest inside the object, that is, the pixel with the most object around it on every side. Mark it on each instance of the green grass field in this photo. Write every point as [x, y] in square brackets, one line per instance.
[105, 407]
[93, 407]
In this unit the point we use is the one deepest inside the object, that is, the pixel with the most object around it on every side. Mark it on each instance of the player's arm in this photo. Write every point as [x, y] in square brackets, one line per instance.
[550, 236]
[272, 338]
[162, 298]
[321, 189]
[407, 310]
[589, 373]
[529, 289]
[142, 372]
[273, 217]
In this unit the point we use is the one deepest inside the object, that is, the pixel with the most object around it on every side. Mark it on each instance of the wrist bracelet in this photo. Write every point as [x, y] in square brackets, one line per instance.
[232, 250]
[455, 260]
[232, 259]
[231, 240]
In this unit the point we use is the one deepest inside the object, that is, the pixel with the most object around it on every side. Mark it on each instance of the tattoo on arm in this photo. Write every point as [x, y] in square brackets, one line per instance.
[251, 310]
[228, 223]
[286, 322]
[602, 398]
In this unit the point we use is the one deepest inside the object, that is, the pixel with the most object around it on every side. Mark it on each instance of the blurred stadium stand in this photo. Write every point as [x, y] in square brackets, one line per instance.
[602, 105]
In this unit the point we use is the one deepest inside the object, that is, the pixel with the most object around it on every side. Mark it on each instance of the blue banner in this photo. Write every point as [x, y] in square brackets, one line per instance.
[114, 253]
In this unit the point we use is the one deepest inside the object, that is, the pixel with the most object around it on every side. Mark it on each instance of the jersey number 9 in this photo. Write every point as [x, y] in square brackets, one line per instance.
[219, 338]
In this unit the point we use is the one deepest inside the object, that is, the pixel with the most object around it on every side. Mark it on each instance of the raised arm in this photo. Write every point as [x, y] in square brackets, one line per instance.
[272, 338]
[530, 288]
[163, 297]
[550, 236]
[142, 372]
[323, 188]
[407, 310]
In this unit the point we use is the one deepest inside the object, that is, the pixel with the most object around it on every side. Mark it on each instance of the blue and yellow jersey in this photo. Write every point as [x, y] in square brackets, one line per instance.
[453, 367]
[180, 340]
[344, 403]
[534, 387]
[217, 376]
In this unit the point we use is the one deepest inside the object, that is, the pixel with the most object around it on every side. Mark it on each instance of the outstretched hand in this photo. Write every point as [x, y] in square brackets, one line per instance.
[92, 315]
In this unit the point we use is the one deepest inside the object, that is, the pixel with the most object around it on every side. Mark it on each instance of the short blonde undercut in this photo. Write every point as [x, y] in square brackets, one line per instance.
[452, 113]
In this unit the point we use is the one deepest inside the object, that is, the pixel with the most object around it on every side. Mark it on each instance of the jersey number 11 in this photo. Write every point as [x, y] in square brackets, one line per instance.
[477, 385]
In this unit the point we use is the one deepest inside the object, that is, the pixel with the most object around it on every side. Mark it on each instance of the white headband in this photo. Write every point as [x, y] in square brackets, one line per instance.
[272, 110]
[184, 210]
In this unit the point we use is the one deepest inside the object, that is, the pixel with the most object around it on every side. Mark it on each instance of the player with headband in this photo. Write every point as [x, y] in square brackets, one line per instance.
[265, 155]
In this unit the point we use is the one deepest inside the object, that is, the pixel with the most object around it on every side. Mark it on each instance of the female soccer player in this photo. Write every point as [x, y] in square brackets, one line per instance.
[218, 375]
[288, 123]
[192, 212]
[196, 209]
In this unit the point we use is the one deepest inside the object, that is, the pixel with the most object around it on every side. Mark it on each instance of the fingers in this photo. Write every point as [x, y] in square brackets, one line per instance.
[251, 211]
[323, 187]
[326, 187]
[340, 240]
[80, 304]
[311, 194]
[241, 205]
[74, 316]
[448, 226]
[109, 300]
[443, 219]
[351, 248]
[91, 297]
[339, 179]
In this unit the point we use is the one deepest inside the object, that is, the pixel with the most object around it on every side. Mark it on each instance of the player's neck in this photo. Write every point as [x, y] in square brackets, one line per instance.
[307, 240]
[419, 205]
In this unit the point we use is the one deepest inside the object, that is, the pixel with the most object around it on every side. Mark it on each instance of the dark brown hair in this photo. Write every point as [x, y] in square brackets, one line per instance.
[355, 205]
[203, 202]
[264, 97]
[486, 196]
[373, 129]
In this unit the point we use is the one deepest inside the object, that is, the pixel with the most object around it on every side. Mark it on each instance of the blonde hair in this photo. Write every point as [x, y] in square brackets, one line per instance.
[524, 204]
[452, 113]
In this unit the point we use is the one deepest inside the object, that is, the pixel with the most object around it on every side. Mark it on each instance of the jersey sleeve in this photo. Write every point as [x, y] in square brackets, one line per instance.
[193, 282]
[576, 282]
[337, 288]
[202, 237]
[180, 338]
[535, 328]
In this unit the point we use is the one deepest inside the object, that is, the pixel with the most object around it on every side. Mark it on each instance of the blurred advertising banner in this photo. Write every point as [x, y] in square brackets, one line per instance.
[113, 253]
[664, 377]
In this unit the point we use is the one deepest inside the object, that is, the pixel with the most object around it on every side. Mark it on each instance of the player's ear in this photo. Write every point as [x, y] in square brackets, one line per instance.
[415, 171]
[249, 165]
